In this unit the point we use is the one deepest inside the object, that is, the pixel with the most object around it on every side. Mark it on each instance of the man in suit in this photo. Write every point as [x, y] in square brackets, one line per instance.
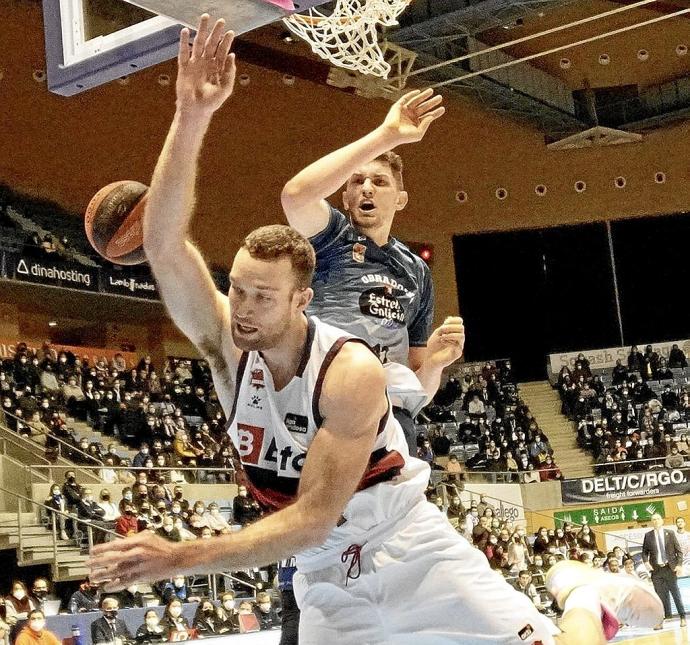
[109, 628]
[663, 557]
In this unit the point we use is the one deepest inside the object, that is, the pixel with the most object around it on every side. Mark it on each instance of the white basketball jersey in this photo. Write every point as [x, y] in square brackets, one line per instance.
[272, 432]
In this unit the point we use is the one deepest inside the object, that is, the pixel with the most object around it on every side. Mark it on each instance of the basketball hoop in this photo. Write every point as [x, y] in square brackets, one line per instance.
[348, 36]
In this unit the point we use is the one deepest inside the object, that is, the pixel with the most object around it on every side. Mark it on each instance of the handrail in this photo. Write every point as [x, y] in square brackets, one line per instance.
[143, 468]
[17, 440]
[70, 446]
[626, 462]
[238, 580]
[69, 516]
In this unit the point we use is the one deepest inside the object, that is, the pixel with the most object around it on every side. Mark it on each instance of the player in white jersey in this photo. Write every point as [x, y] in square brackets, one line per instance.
[309, 415]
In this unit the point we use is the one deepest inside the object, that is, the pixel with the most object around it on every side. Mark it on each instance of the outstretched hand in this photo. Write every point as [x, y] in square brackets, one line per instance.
[205, 69]
[145, 557]
[410, 116]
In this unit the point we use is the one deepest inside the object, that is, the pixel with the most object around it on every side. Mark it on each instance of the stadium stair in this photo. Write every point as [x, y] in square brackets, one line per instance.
[82, 429]
[545, 404]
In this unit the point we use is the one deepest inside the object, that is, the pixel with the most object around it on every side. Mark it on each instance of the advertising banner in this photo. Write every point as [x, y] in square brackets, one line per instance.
[52, 272]
[609, 488]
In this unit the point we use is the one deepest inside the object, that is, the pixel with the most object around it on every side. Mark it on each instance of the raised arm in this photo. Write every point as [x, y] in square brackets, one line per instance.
[304, 196]
[206, 75]
[337, 458]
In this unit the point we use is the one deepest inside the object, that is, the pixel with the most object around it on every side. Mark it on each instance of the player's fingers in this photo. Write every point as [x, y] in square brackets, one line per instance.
[214, 38]
[419, 98]
[407, 97]
[453, 320]
[201, 36]
[426, 106]
[118, 545]
[183, 54]
[228, 76]
[224, 48]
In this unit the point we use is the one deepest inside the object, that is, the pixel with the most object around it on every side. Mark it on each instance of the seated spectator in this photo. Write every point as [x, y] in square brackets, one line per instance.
[71, 491]
[127, 523]
[109, 628]
[525, 586]
[455, 470]
[108, 474]
[150, 631]
[425, 452]
[57, 502]
[215, 521]
[168, 530]
[676, 358]
[17, 606]
[90, 512]
[35, 632]
[586, 539]
[184, 450]
[245, 510]
[174, 624]
[227, 614]
[130, 597]
[268, 618]
[177, 588]
[541, 541]
[537, 571]
[612, 564]
[185, 533]
[674, 459]
[206, 621]
[629, 568]
[40, 593]
[84, 599]
[549, 471]
[111, 510]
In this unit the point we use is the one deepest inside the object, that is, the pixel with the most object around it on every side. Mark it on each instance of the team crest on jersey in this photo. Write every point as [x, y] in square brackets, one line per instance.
[258, 379]
[358, 251]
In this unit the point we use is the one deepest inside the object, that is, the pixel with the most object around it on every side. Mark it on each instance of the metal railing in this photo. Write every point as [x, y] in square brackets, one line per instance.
[51, 513]
[61, 442]
[51, 468]
[637, 465]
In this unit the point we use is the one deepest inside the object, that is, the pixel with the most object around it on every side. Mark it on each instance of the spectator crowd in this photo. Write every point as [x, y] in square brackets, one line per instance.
[634, 418]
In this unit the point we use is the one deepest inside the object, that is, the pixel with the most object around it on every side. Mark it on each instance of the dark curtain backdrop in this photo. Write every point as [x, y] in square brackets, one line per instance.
[526, 294]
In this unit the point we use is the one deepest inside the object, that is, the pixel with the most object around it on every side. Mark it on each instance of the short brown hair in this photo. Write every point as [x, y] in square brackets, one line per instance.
[395, 163]
[277, 241]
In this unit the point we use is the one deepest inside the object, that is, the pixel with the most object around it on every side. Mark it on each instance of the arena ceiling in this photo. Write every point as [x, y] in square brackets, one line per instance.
[632, 80]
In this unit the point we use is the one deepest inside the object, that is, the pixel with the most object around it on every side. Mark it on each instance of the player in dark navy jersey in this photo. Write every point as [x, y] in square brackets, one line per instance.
[366, 281]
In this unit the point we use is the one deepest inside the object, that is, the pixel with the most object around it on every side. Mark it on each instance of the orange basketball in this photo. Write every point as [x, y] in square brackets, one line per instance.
[114, 222]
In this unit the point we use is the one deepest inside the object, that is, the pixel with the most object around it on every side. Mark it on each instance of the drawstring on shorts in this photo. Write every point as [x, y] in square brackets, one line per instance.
[354, 551]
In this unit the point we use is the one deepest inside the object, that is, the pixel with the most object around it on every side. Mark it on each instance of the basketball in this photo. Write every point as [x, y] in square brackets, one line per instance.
[113, 222]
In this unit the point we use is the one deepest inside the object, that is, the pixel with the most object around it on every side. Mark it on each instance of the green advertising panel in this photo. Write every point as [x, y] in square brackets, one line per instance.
[614, 514]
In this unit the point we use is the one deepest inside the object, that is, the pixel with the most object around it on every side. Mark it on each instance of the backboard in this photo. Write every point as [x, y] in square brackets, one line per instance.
[91, 42]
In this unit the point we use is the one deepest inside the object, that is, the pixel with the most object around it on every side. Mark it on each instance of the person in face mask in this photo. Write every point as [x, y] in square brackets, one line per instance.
[109, 628]
[86, 598]
[40, 593]
[174, 623]
[216, 522]
[35, 632]
[130, 597]
[150, 631]
[267, 615]
[168, 530]
[71, 490]
[18, 604]
[57, 501]
[227, 614]
[206, 621]
[199, 518]
[177, 589]
[127, 523]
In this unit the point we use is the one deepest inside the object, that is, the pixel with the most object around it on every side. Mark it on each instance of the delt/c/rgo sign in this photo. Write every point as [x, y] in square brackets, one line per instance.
[626, 486]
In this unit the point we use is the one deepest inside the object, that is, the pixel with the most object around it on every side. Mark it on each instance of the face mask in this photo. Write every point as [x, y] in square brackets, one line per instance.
[19, 594]
[178, 583]
[176, 510]
[167, 528]
[175, 612]
[37, 625]
[128, 496]
[151, 623]
[208, 611]
[199, 510]
[144, 451]
[71, 480]
[178, 495]
[41, 593]
[229, 605]
[105, 497]
[133, 589]
[110, 613]
[265, 607]
[56, 492]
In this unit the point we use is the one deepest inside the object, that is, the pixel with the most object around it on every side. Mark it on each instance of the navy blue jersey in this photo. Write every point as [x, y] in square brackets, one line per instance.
[381, 294]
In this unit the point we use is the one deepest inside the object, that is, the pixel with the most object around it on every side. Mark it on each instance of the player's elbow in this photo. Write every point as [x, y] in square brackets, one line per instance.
[294, 196]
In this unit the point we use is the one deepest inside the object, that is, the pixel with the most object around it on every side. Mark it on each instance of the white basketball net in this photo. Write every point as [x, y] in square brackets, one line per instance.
[348, 37]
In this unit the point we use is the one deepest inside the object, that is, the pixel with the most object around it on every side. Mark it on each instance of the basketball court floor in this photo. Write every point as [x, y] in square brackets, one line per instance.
[671, 635]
